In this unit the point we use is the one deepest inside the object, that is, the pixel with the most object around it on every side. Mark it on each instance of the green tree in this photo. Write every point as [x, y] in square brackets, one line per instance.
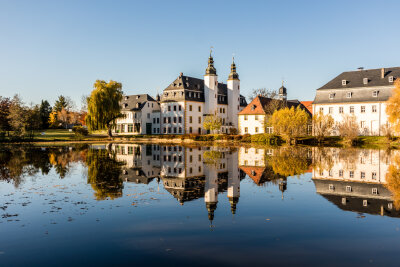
[5, 104]
[63, 103]
[33, 120]
[18, 116]
[290, 123]
[44, 110]
[212, 123]
[104, 105]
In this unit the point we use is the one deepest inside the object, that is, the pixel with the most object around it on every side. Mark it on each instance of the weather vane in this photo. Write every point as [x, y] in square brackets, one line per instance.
[211, 48]
[233, 57]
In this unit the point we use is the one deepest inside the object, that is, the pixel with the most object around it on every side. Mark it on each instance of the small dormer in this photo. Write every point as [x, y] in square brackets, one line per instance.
[253, 107]
[126, 97]
[331, 95]
[138, 105]
[365, 81]
[125, 105]
[138, 96]
[390, 79]
[344, 82]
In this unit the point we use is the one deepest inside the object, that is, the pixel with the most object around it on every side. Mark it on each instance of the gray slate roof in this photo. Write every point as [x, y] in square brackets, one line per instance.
[355, 84]
[135, 102]
[195, 86]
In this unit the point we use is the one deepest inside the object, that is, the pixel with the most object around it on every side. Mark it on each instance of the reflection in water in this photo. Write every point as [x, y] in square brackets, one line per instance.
[356, 179]
[359, 180]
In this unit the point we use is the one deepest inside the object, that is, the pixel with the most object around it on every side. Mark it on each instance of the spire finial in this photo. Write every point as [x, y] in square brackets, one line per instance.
[233, 75]
[210, 68]
[211, 48]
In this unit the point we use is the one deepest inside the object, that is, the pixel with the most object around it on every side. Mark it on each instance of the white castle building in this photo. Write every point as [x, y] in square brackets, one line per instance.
[362, 93]
[183, 106]
[187, 100]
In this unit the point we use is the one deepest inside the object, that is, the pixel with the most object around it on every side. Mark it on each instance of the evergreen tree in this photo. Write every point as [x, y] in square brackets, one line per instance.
[44, 110]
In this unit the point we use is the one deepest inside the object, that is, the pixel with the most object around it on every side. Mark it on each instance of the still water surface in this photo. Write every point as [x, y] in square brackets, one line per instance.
[127, 204]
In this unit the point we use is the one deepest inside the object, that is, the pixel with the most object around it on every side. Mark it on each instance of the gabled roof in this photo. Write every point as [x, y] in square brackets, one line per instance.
[186, 84]
[307, 105]
[135, 102]
[354, 79]
[259, 105]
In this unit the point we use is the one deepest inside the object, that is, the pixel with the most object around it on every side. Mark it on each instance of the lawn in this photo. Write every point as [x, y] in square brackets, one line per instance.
[64, 135]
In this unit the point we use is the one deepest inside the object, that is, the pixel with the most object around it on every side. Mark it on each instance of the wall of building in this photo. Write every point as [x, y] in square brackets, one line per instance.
[170, 114]
[194, 117]
[372, 121]
[255, 124]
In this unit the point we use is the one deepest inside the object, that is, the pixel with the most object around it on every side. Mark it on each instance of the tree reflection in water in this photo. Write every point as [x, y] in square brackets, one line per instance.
[393, 180]
[104, 173]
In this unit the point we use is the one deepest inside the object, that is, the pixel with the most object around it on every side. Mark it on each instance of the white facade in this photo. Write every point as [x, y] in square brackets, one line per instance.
[253, 124]
[141, 116]
[370, 116]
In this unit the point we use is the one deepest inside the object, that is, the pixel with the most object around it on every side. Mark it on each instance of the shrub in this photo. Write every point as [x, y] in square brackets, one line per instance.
[246, 138]
[233, 131]
[270, 139]
[80, 131]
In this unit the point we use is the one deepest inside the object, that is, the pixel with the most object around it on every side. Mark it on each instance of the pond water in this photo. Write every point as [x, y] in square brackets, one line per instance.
[135, 204]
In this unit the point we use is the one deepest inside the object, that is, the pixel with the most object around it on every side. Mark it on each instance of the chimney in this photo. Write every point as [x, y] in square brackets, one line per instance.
[181, 74]
[382, 73]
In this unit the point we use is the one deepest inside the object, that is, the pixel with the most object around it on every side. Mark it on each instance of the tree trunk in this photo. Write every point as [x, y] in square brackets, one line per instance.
[109, 131]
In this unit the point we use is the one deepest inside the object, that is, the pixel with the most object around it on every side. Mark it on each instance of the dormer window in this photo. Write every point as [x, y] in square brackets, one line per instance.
[375, 93]
[331, 95]
[125, 105]
[365, 81]
[390, 79]
[187, 84]
[253, 107]
[126, 97]
[137, 97]
[349, 94]
[344, 82]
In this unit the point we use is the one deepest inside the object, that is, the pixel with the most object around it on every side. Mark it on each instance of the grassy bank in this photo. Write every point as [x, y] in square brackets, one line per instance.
[66, 136]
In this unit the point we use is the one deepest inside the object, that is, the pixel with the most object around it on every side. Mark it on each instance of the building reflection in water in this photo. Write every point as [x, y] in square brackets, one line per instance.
[354, 179]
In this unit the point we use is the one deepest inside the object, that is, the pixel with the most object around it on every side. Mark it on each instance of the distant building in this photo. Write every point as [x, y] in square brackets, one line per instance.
[141, 116]
[362, 93]
[253, 119]
[187, 100]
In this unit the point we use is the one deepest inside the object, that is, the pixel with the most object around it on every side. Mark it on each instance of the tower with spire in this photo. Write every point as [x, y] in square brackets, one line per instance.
[233, 85]
[282, 93]
[233, 181]
[210, 87]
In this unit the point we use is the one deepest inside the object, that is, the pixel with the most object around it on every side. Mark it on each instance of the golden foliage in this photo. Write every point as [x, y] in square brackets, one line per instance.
[322, 125]
[393, 107]
[393, 180]
[289, 123]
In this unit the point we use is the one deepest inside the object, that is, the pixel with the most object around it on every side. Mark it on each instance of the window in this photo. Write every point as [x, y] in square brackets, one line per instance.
[180, 129]
[245, 117]
[169, 108]
[190, 119]
[374, 108]
[331, 96]
[199, 119]
[174, 129]
[165, 119]
[180, 107]
[362, 174]
[256, 129]
[373, 176]
[365, 202]
[348, 188]
[154, 120]
[390, 79]
[365, 81]
[390, 206]
[253, 107]
[349, 94]
[340, 109]
[174, 108]
[362, 109]
[199, 108]
[351, 109]
[374, 191]
[331, 187]
[330, 110]
[130, 128]
[362, 124]
[344, 82]
[174, 119]
[321, 110]
[330, 173]
[351, 174]
[199, 157]
[199, 168]
[375, 93]
[256, 117]
[340, 173]
[190, 130]
[190, 170]
[190, 107]
[169, 119]
[180, 119]
[344, 201]
[246, 130]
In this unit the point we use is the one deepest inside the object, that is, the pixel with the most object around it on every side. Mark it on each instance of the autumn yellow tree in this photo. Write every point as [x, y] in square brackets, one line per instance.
[322, 125]
[393, 107]
[289, 123]
[393, 180]
[212, 123]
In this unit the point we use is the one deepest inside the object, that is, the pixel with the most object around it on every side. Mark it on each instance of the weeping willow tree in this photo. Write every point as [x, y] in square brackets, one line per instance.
[104, 105]
[104, 174]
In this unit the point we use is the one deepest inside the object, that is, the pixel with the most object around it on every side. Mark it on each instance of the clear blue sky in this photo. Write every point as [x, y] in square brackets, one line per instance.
[48, 48]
